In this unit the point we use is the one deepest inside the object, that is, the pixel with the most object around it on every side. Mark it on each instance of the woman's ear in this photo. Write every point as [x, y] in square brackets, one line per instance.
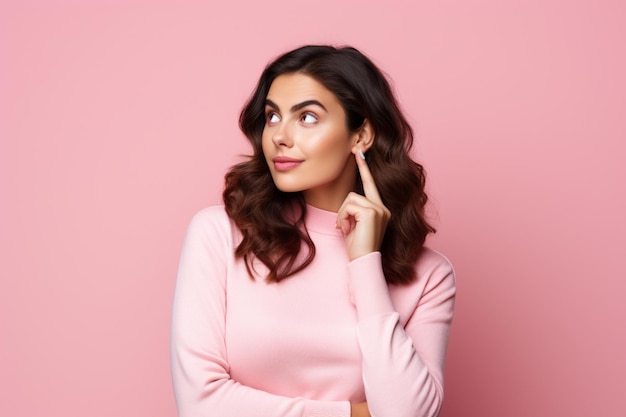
[364, 137]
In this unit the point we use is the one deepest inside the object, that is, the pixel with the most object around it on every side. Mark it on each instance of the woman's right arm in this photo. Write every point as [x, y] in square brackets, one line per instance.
[200, 370]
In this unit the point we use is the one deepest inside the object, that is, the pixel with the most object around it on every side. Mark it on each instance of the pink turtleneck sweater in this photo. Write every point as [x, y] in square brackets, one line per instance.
[332, 334]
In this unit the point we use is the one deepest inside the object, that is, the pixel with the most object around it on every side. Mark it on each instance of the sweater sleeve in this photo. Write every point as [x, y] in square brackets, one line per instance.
[199, 363]
[403, 365]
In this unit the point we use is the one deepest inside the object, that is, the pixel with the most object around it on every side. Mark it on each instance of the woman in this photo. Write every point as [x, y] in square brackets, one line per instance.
[309, 293]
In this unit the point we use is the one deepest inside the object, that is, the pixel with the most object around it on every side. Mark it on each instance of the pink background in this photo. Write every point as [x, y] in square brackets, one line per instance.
[118, 120]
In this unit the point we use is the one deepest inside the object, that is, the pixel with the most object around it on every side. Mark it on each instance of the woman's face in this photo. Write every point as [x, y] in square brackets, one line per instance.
[306, 141]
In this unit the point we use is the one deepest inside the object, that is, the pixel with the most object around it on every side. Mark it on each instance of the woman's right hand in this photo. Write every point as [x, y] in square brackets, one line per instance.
[359, 410]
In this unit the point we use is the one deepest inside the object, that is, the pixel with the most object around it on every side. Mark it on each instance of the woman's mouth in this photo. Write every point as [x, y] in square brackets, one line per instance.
[283, 163]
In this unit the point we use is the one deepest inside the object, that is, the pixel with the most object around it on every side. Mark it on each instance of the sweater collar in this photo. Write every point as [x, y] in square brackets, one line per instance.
[321, 221]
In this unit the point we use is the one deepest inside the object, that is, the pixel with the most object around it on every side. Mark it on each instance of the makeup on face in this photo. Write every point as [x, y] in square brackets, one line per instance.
[306, 141]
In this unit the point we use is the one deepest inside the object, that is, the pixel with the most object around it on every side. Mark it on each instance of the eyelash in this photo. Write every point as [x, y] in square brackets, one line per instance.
[268, 117]
[270, 114]
[308, 113]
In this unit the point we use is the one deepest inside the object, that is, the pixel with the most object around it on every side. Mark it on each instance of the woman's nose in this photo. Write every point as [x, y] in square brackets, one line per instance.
[282, 136]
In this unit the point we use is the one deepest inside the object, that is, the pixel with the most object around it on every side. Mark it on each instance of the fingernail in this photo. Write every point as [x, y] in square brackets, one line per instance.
[361, 154]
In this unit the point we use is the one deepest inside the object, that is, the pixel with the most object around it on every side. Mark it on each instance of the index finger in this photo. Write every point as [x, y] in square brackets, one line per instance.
[369, 186]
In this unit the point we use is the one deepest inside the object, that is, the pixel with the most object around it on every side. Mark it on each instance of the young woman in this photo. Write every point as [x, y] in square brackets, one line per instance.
[310, 293]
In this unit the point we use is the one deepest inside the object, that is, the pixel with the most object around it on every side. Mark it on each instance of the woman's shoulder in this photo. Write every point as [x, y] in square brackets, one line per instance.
[434, 286]
[212, 221]
[214, 213]
[429, 256]
[211, 216]
[434, 266]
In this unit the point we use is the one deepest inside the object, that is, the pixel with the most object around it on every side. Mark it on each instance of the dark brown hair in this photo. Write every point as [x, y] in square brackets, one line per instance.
[259, 209]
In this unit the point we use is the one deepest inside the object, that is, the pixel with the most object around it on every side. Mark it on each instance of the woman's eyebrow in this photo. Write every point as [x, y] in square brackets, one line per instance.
[296, 107]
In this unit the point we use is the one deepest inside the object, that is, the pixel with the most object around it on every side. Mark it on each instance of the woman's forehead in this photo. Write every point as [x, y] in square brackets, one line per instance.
[288, 90]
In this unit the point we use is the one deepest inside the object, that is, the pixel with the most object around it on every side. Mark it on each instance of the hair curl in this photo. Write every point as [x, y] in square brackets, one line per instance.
[258, 207]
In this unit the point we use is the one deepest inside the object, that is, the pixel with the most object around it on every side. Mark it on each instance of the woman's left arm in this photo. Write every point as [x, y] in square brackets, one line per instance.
[402, 364]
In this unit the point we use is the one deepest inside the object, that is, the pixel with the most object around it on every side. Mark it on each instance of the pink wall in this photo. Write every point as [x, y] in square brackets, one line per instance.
[118, 119]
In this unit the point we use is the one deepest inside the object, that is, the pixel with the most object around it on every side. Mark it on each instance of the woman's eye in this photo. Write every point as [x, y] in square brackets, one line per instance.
[309, 118]
[272, 118]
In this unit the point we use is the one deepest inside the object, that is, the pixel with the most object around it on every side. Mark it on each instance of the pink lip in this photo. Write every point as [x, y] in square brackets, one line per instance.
[284, 163]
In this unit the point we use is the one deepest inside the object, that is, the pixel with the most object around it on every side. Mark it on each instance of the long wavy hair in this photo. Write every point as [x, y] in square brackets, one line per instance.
[272, 221]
